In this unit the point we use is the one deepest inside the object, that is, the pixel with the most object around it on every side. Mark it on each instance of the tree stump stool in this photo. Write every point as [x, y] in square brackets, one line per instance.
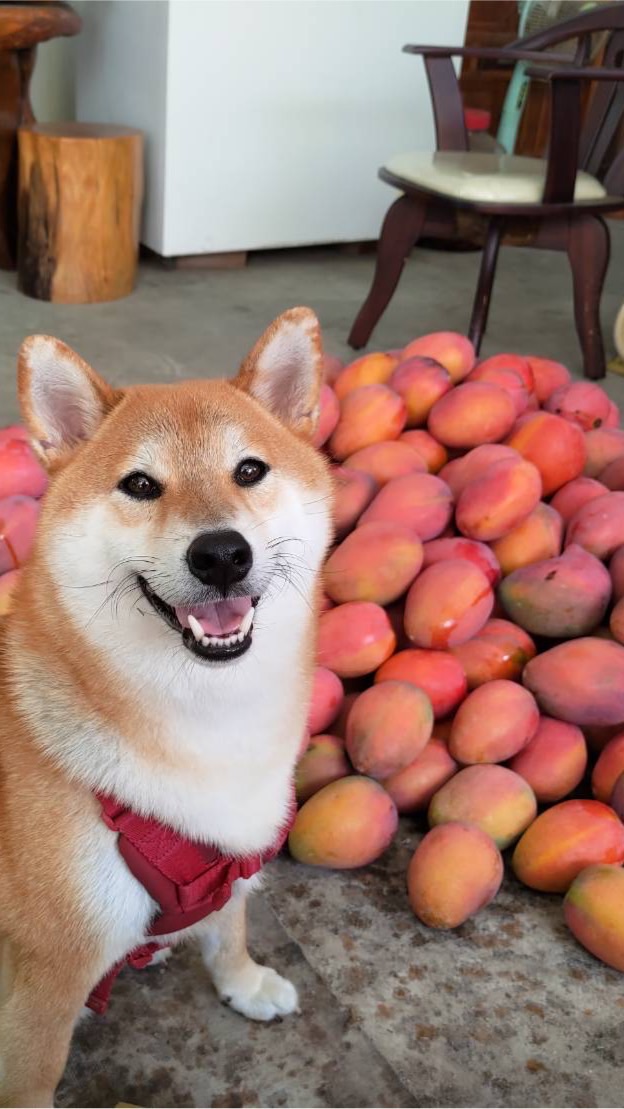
[22, 27]
[79, 206]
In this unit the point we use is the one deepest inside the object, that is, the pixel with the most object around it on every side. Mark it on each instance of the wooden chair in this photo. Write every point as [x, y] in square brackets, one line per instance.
[556, 203]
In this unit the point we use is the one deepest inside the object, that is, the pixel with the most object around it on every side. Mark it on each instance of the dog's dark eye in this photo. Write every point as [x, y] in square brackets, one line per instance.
[250, 471]
[140, 486]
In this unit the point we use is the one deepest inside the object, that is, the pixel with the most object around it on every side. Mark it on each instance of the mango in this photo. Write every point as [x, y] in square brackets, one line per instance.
[612, 477]
[472, 414]
[574, 494]
[411, 789]
[396, 616]
[433, 454]
[348, 823]
[14, 431]
[597, 736]
[18, 524]
[370, 369]
[582, 402]
[592, 910]
[455, 871]
[617, 797]
[353, 492]
[554, 445]
[548, 375]
[490, 506]
[565, 839]
[376, 562]
[420, 382]
[609, 766]
[581, 681]
[499, 650]
[329, 415]
[455, 352]
[459, 472]
[324, 761]
[602, 446]
[20, 471]
[516, 362]
[613, 419]
[354, 639]
[538, 537]
[553, 761]
[389, 725]
[8, 585]
[385, 461]
[440, 550]
[437, 673]
[421, 502]
[447, 604]
[326, 700]
[367, 415]
[616, 621]
[339, 726]
[561, 597]
[616, 570]
[494, 722]
[509, 380]
[498, 801]
[599, 525]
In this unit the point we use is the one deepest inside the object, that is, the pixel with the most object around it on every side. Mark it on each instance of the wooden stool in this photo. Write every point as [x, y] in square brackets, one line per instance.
[22, 27]
[80, 193]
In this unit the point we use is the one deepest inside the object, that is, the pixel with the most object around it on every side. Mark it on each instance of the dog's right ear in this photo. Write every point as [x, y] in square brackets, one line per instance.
[62, 399]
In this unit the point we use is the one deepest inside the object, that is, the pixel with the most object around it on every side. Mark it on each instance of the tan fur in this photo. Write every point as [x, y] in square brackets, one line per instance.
[52, 955]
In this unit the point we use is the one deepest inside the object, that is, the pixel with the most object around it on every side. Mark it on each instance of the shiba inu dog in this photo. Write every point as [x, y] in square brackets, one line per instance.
[154, 676]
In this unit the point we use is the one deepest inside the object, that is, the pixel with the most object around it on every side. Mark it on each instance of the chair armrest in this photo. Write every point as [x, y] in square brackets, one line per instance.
[504, 54]
[575, 73]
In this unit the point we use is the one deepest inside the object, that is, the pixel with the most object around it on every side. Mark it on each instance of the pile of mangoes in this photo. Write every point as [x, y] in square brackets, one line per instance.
[471, 643]
[22, 483]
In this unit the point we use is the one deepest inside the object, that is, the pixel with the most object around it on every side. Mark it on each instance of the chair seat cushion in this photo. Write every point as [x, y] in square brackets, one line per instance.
[494, 178]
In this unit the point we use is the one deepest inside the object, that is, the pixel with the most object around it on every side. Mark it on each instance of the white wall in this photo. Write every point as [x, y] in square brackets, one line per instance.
[121, 77]
[266, 119]
[52, 89]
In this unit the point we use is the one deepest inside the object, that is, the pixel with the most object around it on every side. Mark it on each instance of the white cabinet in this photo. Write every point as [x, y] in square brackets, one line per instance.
[265, 120]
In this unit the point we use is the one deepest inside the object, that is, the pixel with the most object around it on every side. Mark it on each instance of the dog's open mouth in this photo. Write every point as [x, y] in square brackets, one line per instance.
[216, 631]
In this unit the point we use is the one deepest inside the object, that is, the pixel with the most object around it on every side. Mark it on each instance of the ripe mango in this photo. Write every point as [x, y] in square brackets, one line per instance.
[561, 597]
[20, 471]
[368, 415]
[353, 492]
[612, 477]
[539, 536]
[370, 369]
[326, 700]
[388, 726]
[581, 402]
[329, 415]
[592, 910]
[472, 414]
[490, 506]
[499, 650]
[447, 604]
[516, 362]
[599, 525]
[385, 461]
[348, 823]
[581, 681]
[354, 639]
[421, 502]
[565, 839]
[498, 801]
[323, 761]
[548, 375]
[616, 570]
[437, 673]
[411, 789]
[553, 761]
[494, 722]
[616, 621]
[554, 445]
[18, 524]
[459, 472]
[455, 352]
[609, 766]
[376, 562]
[441, 550]
[602, 446]
[420, 382]
[508, 379]
[433, 454]
[455, 871]
[574, 494]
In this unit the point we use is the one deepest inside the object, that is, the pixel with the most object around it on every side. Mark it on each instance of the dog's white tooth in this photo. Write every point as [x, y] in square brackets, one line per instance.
[246, 622]
[205, 641]
[195, 627]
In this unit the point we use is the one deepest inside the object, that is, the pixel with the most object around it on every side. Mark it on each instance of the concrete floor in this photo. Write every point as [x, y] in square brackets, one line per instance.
[506, 1011]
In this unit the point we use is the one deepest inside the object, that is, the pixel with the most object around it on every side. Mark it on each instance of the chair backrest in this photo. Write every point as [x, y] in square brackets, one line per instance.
[606, 106]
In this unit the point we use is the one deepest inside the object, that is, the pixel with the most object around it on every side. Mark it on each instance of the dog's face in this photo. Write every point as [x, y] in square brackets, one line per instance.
[185, 520]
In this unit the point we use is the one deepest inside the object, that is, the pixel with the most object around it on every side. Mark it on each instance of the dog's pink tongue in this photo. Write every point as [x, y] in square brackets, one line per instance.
[217, 618]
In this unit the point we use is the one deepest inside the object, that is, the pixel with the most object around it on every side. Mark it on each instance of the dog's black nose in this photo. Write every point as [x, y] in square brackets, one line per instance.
[220, 558]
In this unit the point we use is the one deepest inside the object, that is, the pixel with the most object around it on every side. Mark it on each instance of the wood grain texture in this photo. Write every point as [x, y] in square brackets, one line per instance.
[80, 195]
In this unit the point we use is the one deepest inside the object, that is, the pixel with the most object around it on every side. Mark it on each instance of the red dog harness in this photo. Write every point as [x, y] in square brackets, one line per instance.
[187, 880]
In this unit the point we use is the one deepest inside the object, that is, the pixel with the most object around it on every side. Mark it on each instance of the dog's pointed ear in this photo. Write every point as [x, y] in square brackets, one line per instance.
[63, 401]
[284, 371]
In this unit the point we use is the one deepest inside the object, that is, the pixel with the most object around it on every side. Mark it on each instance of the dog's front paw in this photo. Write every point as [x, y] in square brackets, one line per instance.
[260, 993]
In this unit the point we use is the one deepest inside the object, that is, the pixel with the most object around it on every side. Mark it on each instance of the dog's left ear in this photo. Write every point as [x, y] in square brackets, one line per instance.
[284, 371]
[63, 401]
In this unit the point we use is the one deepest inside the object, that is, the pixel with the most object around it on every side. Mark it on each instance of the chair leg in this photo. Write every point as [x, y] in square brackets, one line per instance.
[481, 305]
[401, 229]
[588, 251]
